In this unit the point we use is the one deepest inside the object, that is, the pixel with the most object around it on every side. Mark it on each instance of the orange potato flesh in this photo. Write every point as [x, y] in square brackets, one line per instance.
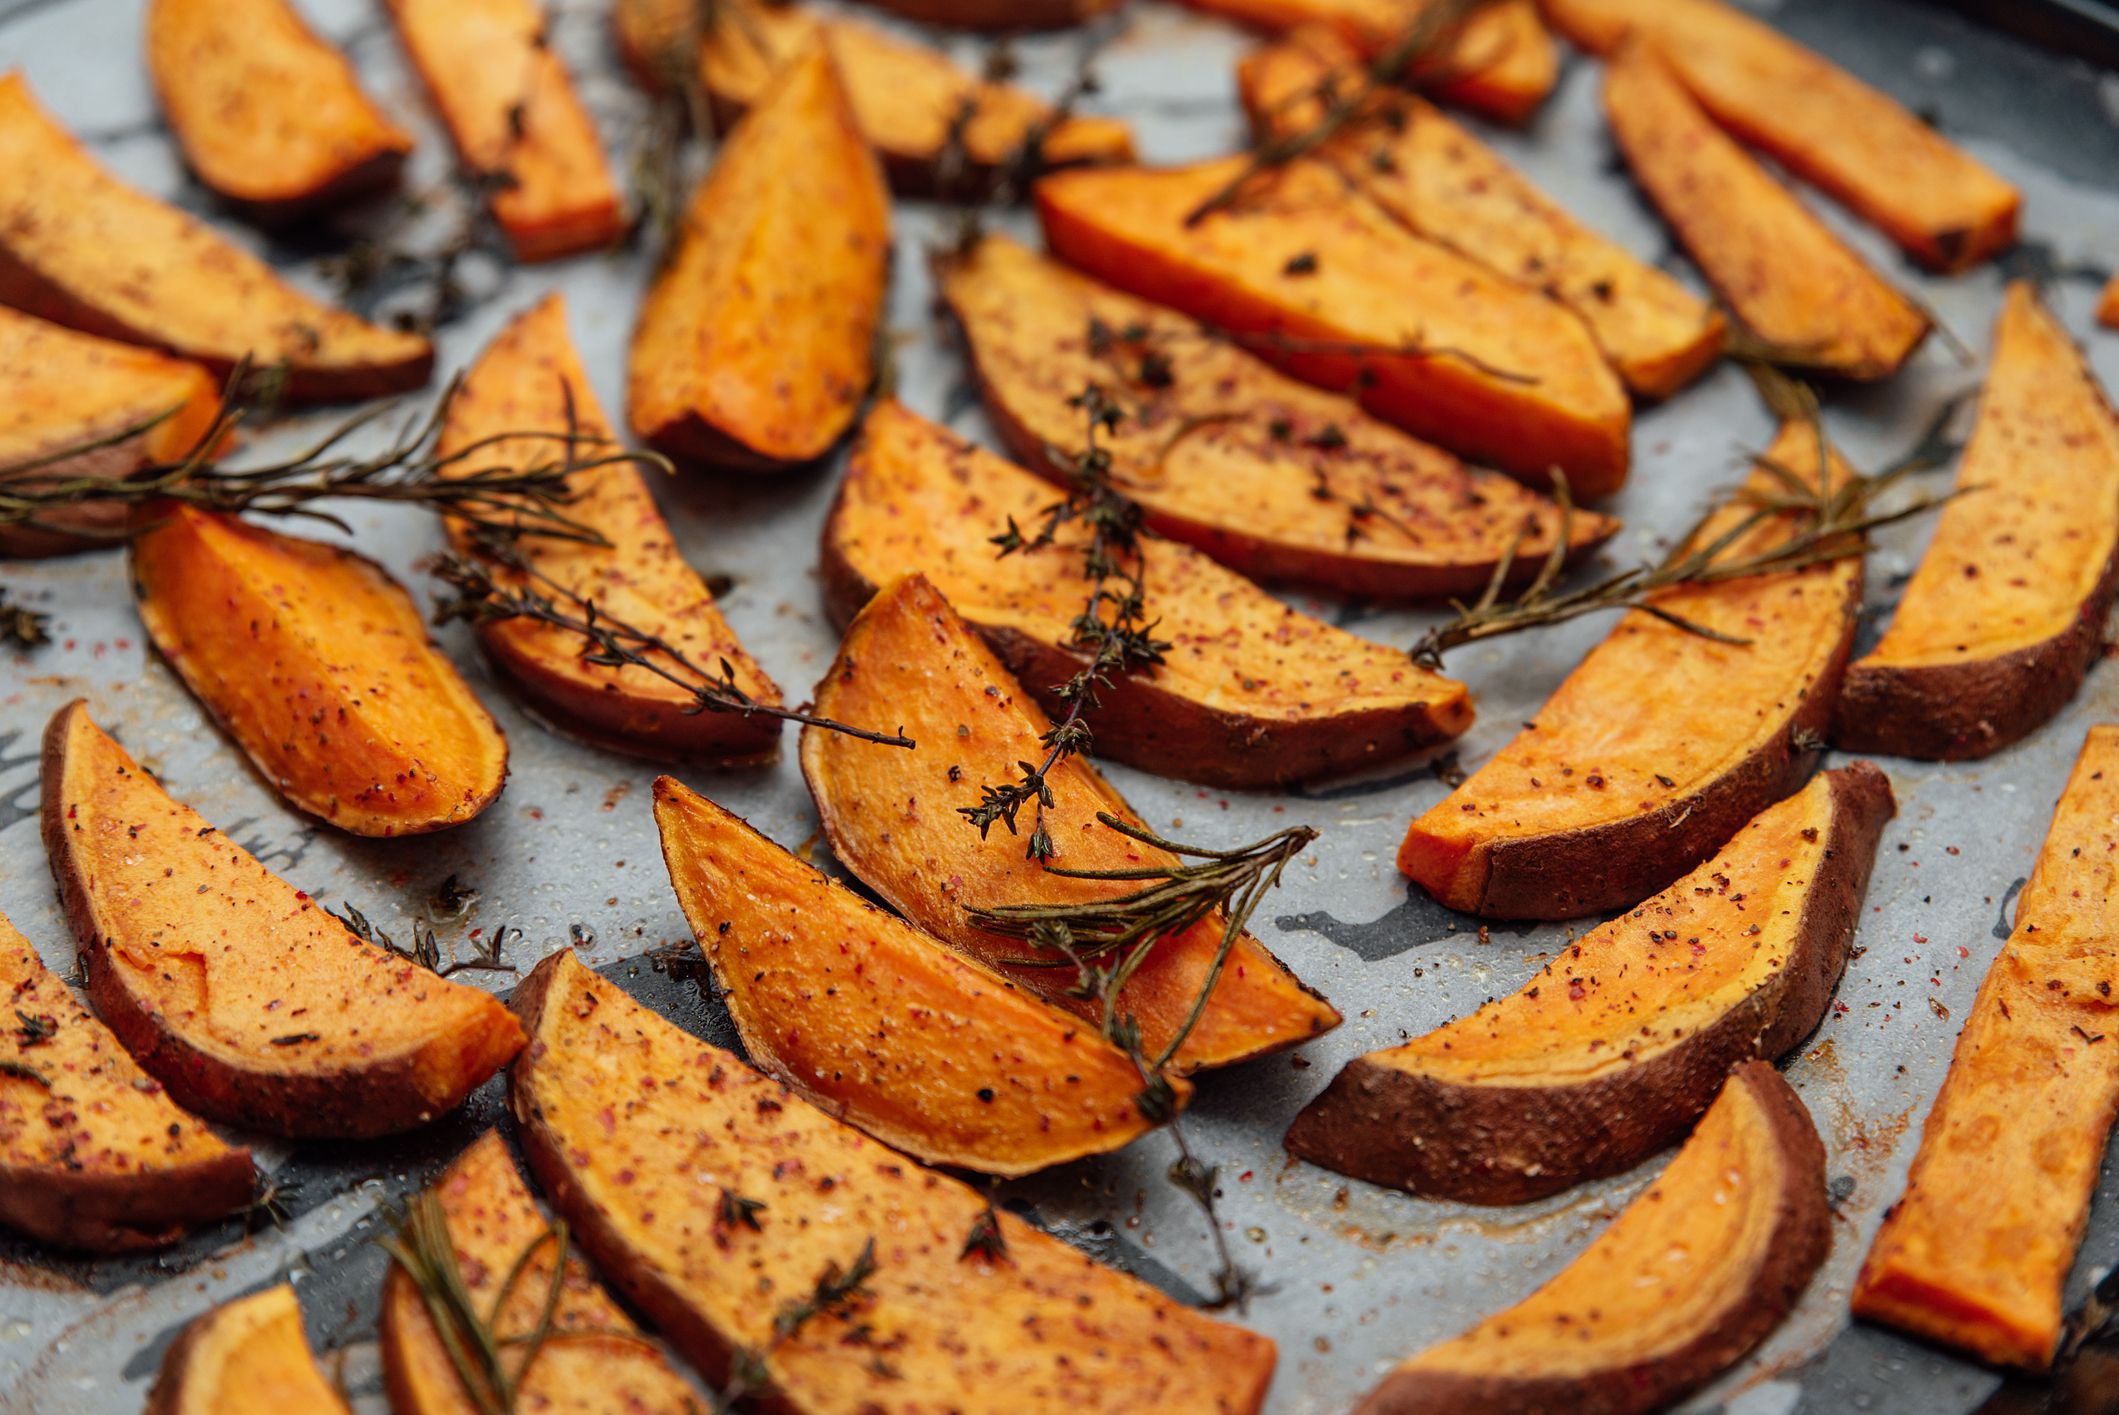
[637, 1130]
[317, 663]
[906, 97]
[527, 380]
[96, 1155]
[61, 389]
[510, 106]
[2006, 611]
[880, 1023]
[1975, 1253]
[1250, 692]
[246, 1357]
[1817, 120]
[81, 248]
[232, 988]
[1441, 182]
[268, 114]
[891, 817]
[2108, 307]
[1275, 479]
[1692, 1275]
[756, 343]
[592, 1362]
[1659, 745]
[1789, 279]
[1358, 278]
[999, 14]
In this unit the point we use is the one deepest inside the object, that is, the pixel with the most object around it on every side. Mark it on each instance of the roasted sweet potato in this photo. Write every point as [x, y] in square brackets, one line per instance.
[999, 14]
[2108, 307]
[719, 1200]
[1616, 1048]
[1661, 744]
[880, 1023]
[93, 1154]
[232, 988]
[81, 248]
[246, 1357]
[757, 341]
[530, 380]
[506, 97]
[1688, 1279]
[906, 98]
[62, 389]
[269, 115]
[1975, 1253]
[894, 823]
[1271, 477]
[1818, 121]
[1788, 278]
[1251, 692]
[2006, 612]
[1326, 286]
[592, 1361]
[1441, 182]
[318, 665]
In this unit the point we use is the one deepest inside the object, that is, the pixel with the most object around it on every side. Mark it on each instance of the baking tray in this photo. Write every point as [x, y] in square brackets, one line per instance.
[1361, 1276]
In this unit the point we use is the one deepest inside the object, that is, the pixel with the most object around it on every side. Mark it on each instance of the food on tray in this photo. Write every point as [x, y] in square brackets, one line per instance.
[519, 127]
[245, 1357]
[93, 1154]
[1696, 1271]
[1663, 741]
[81, 248]
[893, 818]
[1312, 278]
[233, 989]
[2108, 307]
[1431, 174]
[268, 114]
[766, 1237]
[2006, 612]
[757, 340]
[317, 663]
[999, 14]
[1974, 1254]
[1612, 1051]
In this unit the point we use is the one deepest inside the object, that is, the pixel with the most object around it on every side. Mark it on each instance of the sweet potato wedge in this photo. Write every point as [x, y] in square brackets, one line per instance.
[1660, 745]
[2006, 612]
[93, 1154]
[655, 1146]
[2108, 307]
[81, 248]
[906, 97]
[530, 379]
[894, 823]
[593, 1361]
[61, 389]
[1275, 479]
[1859, 145]
[756, 343]
[268, 115]
[999, 14]
[1441, 182]
[1693, 1274]
[1323, 284]
[319, 667]
[1251, 692]
[246, 1357]
[1975, 1252]
[509, 104]
[880, 1023]
[232, 988]
[1789, 279]
[1614, 1050]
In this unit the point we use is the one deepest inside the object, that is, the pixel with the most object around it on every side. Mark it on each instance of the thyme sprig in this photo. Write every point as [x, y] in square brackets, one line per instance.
[22, 1072]
[836, 1290]
[22, 626]
[489, 954]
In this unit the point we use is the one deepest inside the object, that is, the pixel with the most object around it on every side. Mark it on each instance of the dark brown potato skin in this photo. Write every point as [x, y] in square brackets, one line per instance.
[123, 1213]
[998, 14]
[1436, 1138]
[1802, 1236]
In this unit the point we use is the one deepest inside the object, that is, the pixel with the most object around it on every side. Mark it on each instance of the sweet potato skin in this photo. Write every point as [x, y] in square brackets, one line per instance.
[1430, 1134]
[1540, 1355]
[2108, 307]
[1967, 666]
[245, 1357]
[269, 116]
[999, 14]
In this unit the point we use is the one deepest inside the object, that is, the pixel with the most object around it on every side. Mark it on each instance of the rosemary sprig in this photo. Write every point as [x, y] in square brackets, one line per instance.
[22, 626]
[835, 1292]
[22, 1072]
[34, 1029]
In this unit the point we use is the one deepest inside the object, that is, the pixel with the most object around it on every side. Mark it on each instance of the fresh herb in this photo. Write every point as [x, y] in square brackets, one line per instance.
[35, 1029]
[836, 1291]
[295, 1039]
[488, 953]
[985, 1240]
[25, 1073]
[22, 626]
[736, 1212]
